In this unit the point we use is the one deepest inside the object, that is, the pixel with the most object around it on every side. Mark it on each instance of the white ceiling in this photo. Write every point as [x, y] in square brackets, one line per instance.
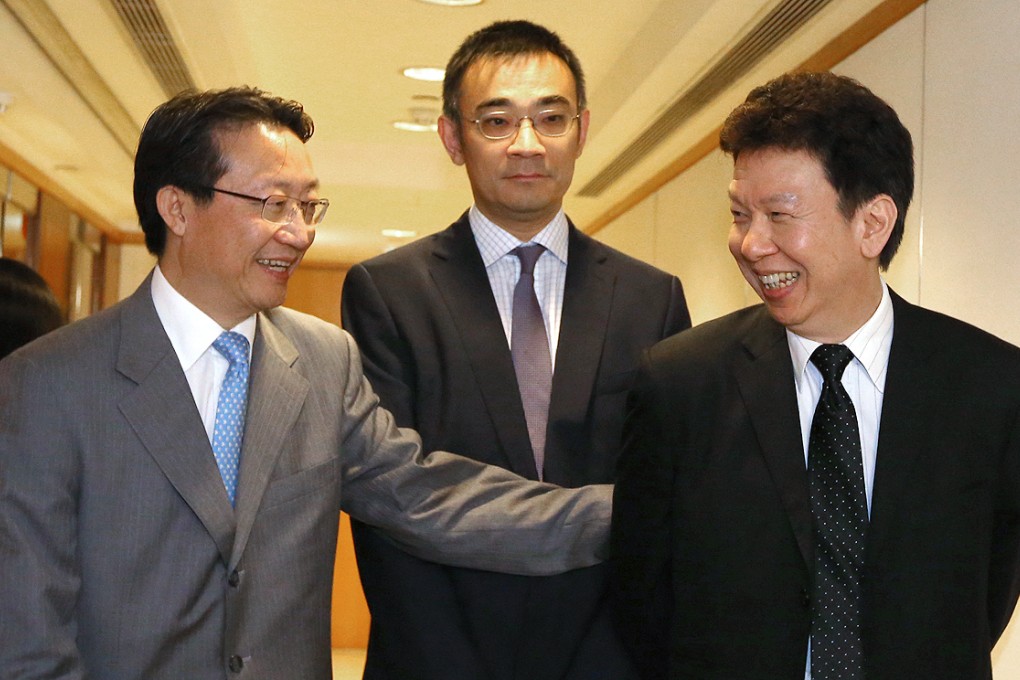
[342, 59]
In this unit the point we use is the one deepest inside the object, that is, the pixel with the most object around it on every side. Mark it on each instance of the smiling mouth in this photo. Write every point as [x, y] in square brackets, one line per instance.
[778, 280]
[275, 265]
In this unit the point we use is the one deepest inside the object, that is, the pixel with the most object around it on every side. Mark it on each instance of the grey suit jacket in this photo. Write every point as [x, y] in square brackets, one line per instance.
[120, 556]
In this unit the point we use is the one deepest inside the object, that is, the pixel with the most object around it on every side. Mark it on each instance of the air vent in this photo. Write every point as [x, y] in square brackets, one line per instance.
[775, 28]
[147, 28]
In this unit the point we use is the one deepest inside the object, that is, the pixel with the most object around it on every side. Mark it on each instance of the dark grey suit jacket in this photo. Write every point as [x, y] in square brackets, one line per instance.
[120, 556]
[712, 529]
[436, 352]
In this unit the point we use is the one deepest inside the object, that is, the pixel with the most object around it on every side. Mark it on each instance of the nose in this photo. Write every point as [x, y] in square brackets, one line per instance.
[526, 141]
[756, 242]
[297, 233]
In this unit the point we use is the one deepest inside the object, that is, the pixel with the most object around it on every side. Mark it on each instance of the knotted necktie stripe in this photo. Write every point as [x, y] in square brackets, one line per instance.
[529, 347]
[840, 509]
[228, 430]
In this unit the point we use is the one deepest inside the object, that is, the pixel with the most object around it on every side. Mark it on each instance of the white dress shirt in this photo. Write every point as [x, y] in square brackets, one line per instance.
[863, 379]
[192, 334]
[504, 269]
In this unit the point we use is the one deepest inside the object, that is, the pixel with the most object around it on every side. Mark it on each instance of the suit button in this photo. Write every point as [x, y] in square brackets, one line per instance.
[235, 664]
[234, 579]
[805, 598]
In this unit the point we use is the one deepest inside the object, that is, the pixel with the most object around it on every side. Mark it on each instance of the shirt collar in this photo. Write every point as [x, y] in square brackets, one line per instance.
[870, 344]
[495, 242]
[191, 331]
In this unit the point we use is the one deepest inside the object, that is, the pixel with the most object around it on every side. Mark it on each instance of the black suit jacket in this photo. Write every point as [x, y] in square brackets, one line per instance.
[435, 351]
[712, 531]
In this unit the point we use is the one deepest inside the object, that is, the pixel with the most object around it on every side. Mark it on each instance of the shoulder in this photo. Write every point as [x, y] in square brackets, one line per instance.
[79, 343]
[715, 342]
[932, 333]
[304, 328]
[418, 252]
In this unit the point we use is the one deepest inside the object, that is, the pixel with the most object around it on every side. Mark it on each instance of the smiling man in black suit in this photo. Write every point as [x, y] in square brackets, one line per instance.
[772, 523]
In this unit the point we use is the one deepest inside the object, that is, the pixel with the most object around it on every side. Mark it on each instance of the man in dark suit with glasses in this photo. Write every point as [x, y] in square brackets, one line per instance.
[512, 337]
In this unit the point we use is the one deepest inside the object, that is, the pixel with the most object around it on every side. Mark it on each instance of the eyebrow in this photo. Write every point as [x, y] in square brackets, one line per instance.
[781, 198]
[506, 103]
[283, 187]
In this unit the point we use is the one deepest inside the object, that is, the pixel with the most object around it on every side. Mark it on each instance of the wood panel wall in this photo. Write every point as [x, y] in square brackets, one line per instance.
[315, 289]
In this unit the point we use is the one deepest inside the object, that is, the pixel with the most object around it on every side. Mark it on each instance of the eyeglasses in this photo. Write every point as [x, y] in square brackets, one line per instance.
[281, 209]
[548, 123]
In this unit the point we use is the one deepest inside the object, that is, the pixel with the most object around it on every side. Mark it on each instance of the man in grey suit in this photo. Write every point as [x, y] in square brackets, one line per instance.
[133, 544]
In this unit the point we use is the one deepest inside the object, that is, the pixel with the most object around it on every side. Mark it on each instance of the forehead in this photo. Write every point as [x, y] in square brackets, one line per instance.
[779, 175]
[520, 80]
[264, 152]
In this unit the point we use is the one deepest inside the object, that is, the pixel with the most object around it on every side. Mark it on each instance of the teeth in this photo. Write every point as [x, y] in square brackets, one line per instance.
[278, 265]
[778, 280]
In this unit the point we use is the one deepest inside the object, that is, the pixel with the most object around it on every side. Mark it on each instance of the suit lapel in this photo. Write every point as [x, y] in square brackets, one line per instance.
[765, 379]
[162, 412]
[276, 395]
[460, 277]
[587, 301]
[905, 403]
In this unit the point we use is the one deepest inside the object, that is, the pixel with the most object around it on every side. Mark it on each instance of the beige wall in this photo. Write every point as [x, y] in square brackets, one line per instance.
[952, 71]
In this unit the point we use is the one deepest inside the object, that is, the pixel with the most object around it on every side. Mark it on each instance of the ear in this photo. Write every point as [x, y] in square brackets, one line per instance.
[170, 202]
[879, 217]
[449, 133]
[582, 127]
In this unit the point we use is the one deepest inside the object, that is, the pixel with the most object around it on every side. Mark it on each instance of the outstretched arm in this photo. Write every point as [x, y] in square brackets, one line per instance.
[457, 511]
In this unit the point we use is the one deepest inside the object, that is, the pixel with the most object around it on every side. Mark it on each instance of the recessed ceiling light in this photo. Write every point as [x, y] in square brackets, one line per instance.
[432, 74]
[421, 119]
[411, 126]
[399, 233]
[453, 3]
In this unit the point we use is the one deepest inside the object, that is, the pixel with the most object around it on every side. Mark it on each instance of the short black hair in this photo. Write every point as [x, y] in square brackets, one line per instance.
[178, 145]
[856, 136]
[28, 308]
[506, 39]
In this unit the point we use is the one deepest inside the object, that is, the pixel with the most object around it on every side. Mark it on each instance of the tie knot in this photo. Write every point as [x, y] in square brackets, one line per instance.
[528, 255]
[233, 346]
[832, 360]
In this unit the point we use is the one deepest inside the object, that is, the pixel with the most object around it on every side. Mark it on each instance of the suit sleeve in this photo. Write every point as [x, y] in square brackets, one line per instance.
[1004, 576]
[386, 355]
[39, 572]
[454, 510]
[678, 318]
[640, 535]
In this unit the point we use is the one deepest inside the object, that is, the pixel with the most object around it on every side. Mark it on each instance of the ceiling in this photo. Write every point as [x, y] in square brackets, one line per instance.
[661, 77]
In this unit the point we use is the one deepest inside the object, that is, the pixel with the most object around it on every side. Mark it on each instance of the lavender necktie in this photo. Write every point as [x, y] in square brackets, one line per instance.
[529, 346]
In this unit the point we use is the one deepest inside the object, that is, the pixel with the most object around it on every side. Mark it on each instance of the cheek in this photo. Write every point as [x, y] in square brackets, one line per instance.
[736, 241]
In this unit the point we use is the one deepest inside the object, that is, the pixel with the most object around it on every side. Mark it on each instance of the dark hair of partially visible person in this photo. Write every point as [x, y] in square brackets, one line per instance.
[28, 308]
[858, 138]
[506, 40]
[178, 145]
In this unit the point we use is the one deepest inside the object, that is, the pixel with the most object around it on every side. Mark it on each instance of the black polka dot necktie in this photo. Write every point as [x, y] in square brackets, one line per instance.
[840, 508]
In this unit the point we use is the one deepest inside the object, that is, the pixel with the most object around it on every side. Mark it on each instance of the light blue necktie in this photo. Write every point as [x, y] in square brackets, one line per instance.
[229, 428]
